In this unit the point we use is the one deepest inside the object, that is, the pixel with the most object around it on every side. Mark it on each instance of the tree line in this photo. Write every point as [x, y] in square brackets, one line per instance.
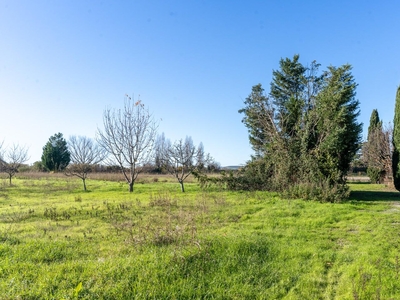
[128, 141]
[304, 133]
[380, 152]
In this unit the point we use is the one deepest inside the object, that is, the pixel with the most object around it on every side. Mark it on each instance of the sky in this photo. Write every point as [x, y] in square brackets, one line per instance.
[192, 63]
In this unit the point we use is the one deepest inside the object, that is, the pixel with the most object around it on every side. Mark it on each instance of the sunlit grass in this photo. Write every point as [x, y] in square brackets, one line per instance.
[160, 243]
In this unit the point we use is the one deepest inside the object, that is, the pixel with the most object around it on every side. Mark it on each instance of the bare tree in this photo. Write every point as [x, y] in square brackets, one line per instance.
[128, 137]
[378, 151]
[84, 154]
[12, 159]
[183, 158]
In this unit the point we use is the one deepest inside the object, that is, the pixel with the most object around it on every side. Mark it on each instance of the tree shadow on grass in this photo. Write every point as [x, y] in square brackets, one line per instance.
[374, 196]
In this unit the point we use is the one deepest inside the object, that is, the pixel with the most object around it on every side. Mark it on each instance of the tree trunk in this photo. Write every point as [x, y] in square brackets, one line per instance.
[84, 184]
[10, 178]
[182, 187]
[131, 186]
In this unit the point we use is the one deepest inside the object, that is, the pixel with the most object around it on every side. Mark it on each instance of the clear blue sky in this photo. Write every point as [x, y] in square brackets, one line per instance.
[192, 62]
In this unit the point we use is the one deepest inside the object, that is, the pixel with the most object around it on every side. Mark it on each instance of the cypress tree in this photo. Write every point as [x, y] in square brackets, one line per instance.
[374, 170]
[374, 121]
[396, 142]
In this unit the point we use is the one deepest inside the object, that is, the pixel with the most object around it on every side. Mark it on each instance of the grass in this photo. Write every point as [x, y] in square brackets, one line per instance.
[58, 242]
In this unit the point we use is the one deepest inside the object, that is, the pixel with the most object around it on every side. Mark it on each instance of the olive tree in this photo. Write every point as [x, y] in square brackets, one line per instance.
[128, 137]
[12, 159]
[183, 158]
[85, 153]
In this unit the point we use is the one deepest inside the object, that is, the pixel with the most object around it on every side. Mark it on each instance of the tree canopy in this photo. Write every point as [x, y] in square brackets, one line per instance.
[56, 155]
[305, 131]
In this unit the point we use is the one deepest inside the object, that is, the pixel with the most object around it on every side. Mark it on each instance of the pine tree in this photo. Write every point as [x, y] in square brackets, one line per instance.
[396, 142]
[56, 155]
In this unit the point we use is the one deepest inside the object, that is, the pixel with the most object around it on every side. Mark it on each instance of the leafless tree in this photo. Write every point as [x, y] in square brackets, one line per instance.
[378, 152]
[12, 158]
[84, 154]
[128, 137]
[183, 158]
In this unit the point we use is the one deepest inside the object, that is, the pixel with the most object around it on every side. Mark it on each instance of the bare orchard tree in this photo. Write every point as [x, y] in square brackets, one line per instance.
[85, 153]
[12, 159]
[183, 158]
[128, 137]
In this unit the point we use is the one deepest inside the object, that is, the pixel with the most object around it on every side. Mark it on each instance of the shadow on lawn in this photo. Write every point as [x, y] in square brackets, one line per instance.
[374, 196]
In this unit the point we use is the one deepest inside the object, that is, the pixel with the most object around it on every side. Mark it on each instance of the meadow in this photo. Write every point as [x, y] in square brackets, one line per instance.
[58, 242]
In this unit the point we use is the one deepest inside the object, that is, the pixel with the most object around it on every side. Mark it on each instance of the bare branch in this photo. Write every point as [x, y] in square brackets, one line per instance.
[13, 158]
[183, 158]
[128, 138]
[85, 153]
[377, 152]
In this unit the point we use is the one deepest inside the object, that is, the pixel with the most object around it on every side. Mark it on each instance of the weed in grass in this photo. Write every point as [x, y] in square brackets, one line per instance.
[17, 216]
[7, 236]
[170, 225]
[162, 199]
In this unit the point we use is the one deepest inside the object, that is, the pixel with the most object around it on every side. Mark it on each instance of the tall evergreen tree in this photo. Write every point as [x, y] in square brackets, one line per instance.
[287, 87]
[339, 133]
[374, 121]
[307, 133]
[56, 155]
[372, 148]
[396, 142]
[256, 113]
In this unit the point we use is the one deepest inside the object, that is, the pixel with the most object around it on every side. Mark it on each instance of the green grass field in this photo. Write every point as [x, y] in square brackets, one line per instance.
[58, 242]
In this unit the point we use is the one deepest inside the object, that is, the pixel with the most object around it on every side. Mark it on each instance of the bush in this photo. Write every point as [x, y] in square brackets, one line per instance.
[322, 191]
[375, 175]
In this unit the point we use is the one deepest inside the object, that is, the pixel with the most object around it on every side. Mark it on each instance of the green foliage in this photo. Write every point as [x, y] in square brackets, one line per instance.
[372, 149]
[37, 166]
[396, 142]
[56, 155]
[374, 121]
[374, 174]
[255, 113]
[337, 125]
[305, 133]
